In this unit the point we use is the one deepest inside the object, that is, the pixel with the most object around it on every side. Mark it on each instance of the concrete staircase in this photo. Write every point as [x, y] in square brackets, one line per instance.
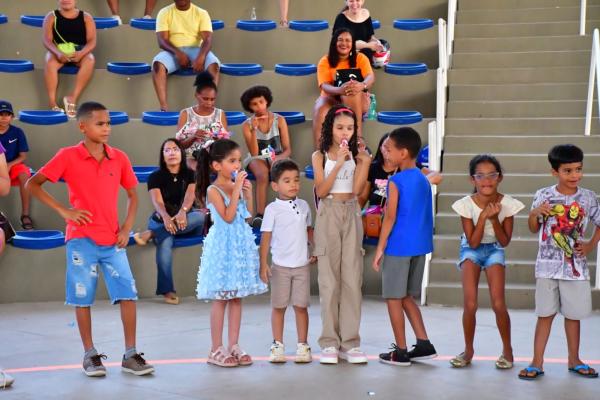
[517, 87]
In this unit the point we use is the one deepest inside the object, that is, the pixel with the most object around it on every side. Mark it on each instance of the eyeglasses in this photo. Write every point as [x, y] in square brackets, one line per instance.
[168, 150]
[492, 176]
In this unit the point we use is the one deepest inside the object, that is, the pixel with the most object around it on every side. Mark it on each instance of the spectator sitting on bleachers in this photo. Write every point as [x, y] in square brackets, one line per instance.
[284, 6]
[375, 191]
[172, 190]
[358, 20]
[267, 138]
[184, 33]
[70, 37]
[202, 122]
[344, 76]
[14, 142]
[114, 9]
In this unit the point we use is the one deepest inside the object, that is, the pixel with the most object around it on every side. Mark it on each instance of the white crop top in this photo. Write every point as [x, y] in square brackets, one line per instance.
[344, 180]
[467, 208]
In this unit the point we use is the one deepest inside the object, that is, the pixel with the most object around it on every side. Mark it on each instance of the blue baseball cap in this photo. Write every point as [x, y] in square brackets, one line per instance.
[5, 106]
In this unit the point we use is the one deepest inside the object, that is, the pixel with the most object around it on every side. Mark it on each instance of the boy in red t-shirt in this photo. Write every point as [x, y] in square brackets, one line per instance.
[93, 172]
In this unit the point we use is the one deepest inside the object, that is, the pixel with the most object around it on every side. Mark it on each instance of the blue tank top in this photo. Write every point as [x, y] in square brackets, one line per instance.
[412, 233]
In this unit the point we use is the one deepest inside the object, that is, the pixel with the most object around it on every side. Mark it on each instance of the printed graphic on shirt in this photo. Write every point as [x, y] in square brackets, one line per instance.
[566, 229]
[381, 185]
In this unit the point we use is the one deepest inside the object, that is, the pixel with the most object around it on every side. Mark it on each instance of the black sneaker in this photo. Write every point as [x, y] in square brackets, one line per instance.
[395, 357]
[422, 352]
[256, 222]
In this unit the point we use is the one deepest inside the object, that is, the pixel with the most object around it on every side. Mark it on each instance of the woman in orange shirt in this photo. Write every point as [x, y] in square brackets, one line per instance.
[335, 85]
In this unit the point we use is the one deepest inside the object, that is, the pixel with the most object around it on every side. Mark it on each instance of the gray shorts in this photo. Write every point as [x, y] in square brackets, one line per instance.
[290, 285]
[573, 299]
[170, 61]
[402, 276]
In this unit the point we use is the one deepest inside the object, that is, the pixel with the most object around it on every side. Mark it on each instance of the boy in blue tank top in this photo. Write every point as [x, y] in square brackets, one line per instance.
[406, 237]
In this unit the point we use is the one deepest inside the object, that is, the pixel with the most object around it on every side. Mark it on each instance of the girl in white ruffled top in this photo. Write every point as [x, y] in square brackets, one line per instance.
[487, 221]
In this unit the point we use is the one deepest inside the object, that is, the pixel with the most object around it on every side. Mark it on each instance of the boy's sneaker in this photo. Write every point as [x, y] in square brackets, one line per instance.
[354, 356]
[303, 354]
[5, 380]
[423, 351]
[329, 355]
[277, 352]
[395, 357]
[136, 365]
[92, 365]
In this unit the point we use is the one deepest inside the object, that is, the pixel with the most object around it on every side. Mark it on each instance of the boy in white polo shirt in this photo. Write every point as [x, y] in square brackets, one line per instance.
[286, 229]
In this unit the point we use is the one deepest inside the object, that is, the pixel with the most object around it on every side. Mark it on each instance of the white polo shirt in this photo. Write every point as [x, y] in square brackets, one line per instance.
[288, 221]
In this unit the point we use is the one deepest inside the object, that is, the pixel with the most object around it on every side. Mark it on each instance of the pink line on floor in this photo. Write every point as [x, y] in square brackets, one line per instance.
[52, 368]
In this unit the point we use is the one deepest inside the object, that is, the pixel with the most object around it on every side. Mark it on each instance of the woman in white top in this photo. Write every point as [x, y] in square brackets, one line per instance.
[202, 122]
[340, 174]
[487, 220]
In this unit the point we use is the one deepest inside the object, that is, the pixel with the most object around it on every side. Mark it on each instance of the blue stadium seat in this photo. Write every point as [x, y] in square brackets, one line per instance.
[292, 117]
[15, 66]
[185, 72]
[413, 24]
[38, 20]
[309, 173]
[142, 172]
[295, 69]
[406, 68]
[118, 117]
[162, 118]
[69, 70]
[39, 117]
[376, 24]
[423, 157]
[240, 69]
[256, 26]
[149, 24]
[3, 19]
[311, 25]
[399, 117]
[235, 117]
[128, 68]
[38, 240]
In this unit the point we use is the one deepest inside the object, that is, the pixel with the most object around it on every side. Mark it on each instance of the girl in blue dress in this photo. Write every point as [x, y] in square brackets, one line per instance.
[229, 266]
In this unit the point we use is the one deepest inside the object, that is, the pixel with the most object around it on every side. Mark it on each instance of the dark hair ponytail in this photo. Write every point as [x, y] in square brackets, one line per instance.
[215, 152]
[204, 80]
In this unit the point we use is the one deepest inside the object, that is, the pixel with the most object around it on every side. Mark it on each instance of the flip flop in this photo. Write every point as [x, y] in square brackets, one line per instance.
[26, 222]
[70, 108]
[578, 369]
[537, 373]
[503, 363]
[459, 361]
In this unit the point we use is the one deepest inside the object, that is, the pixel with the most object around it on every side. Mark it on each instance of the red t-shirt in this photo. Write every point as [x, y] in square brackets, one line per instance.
[93, 186]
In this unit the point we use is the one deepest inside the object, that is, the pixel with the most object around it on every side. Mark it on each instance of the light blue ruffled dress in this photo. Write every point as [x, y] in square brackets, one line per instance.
[229, 265]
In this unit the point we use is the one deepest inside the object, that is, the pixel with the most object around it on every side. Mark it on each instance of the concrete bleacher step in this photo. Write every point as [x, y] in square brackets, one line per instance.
[229, 44]
[525, 15]
[498, 75]
[516, 109]
[135, 94]
[522, 271]
[518, 126]
[528, 91]
[516, 144]
[498, 59]
[513, 183]
[487, 30]
[520, 44]
[519, 4]
[517, 162]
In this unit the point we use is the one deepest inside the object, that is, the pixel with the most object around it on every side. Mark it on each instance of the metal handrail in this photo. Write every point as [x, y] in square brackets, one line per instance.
[594, 76]
[582, 18]
[452, 8]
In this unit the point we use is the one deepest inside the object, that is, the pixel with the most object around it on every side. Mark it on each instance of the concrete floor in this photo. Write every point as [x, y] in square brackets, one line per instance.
[40, 347]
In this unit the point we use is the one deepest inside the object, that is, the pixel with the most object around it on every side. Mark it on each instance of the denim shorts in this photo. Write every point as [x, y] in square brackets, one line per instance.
[84, 258]
[170, 61]
[485, 255]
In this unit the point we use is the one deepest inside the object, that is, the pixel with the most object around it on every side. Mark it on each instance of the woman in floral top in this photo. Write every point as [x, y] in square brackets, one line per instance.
[199, 123]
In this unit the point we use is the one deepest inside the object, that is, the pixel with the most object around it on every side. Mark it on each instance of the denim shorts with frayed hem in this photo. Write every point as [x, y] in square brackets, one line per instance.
[485, 255]
[84, 260]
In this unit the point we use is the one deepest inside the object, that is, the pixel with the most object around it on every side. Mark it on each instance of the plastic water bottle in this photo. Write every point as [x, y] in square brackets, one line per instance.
[372, 116]
[253, 14]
